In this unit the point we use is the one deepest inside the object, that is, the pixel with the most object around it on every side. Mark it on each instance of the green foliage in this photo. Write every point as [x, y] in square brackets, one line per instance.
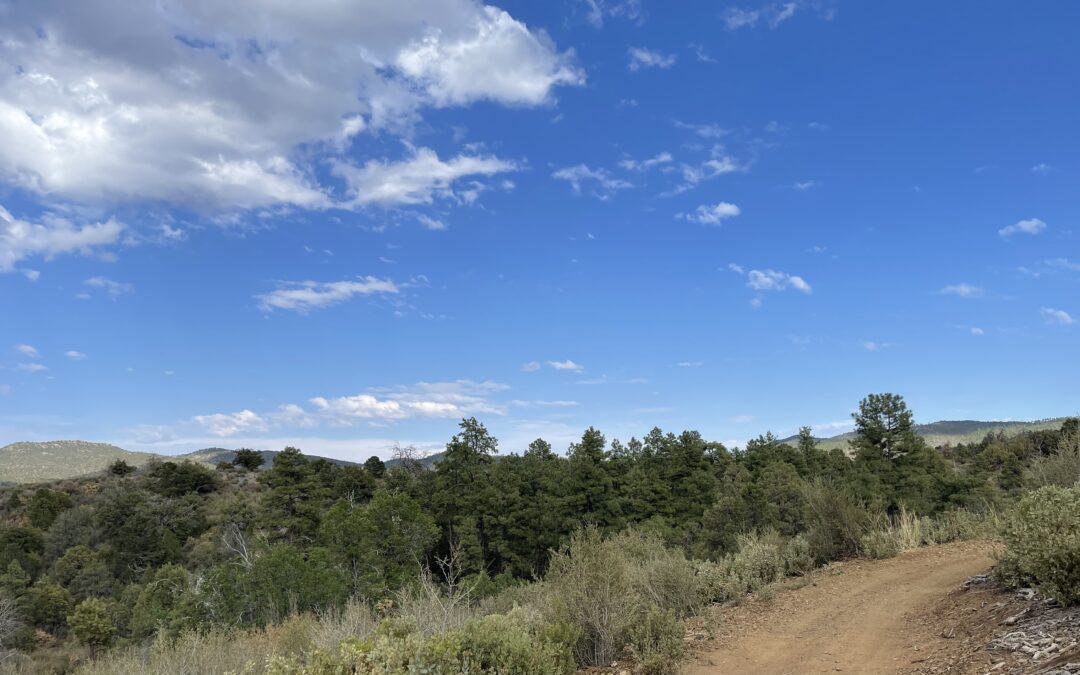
[47, 605]
[1042, 544]
[45, 506]
[656, 642]
[120, 468]
[248, 459]
[172, 479]
[92, 623]
[84, 572]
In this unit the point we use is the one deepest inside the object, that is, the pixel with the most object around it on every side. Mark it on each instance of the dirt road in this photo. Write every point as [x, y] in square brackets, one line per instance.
[857, 618]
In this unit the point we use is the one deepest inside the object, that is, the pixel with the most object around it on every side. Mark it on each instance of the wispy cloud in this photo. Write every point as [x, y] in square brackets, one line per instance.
[75, 355]
[660, 159]
[1056, 317]
[568, 365]
[962, 290]
[305, 296]
[606, 184]
[1042, 168]
[772, 280]
[29, 351]
[110, 286]
[639, 58]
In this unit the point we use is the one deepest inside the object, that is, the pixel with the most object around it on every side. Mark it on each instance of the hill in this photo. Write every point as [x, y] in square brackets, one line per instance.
[29, 462]
[35, 462]
[952, 432]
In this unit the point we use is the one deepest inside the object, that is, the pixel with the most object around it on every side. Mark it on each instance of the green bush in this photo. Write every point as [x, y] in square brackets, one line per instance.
[656, 642]
[1042, 544]
[92, 622]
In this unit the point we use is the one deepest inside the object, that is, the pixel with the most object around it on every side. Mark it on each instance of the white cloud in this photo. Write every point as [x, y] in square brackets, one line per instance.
[419, 179]
[712, 214]
[113, 288]
[29, 351]
[771, 280]
[772, 14]
[531, 366]
[581, 174]
[962, 290]
[431, 223]
[230, 424]
[598, 10]
[1042, 168]
[804, 185]
[1057, 317]
[871, 346]
[647, 58]
[566, 365]
[975, 330]
[53, 236]
[690, 364]
[445, 400]
[718, 164]
[74, 355]
[710, 131]
[646, 164]
[32, 275]
[305, 296]
[32, 367]
[210, 106]
[1029, 226]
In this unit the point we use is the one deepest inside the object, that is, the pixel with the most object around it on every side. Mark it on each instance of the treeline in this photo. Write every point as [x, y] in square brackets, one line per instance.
[178, 546]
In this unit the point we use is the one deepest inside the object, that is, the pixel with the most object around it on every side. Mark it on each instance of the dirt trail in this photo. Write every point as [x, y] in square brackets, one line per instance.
[859, 617]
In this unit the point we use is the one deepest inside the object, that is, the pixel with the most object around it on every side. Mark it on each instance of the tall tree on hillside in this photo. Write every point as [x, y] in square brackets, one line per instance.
[884, 427]
[464, 496]
[592, 497]
[292, 505]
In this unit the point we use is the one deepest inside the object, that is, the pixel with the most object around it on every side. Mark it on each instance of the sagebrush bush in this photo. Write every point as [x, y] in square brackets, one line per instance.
[836, 523]
[1042, 544]
[656, 642]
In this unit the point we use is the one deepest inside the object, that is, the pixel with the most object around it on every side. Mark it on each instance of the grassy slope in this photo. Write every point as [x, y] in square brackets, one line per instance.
[953, 431]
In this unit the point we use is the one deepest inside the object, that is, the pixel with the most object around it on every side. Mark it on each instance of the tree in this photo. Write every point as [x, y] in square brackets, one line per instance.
[883, 426]
[249, 459]
[171, 479]
[48, 604]
[375, 467]
[120, 468]
[45, 506]
[291, 507]
[92, 622]
[592, 496]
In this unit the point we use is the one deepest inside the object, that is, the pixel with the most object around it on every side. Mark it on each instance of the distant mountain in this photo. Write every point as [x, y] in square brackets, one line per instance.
[51, 460]
[55, 460]
[951, 432]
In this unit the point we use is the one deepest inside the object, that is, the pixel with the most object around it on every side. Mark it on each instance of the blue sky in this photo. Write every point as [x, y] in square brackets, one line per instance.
[345, 224]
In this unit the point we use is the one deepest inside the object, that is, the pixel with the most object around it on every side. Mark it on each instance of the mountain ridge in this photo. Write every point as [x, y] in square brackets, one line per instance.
[40, 461]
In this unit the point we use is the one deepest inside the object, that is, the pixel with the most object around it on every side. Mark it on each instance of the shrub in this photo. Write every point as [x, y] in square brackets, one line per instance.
[760, 560]
[835, 522]
[92, 623]
[1042, 544]
[656, 642]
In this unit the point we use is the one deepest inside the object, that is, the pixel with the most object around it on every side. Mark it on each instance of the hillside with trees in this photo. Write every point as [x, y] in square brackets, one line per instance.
[539, 561]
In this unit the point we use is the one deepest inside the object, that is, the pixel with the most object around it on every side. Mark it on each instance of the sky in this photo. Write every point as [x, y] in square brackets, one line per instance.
[346, 224]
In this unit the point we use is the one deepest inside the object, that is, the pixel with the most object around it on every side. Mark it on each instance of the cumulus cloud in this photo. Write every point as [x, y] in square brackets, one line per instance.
[305, 296]
[1029, 226]
[230, 424]
[606, 185]
[962, 290]
[32, 367]
[75, 355]
[639, 58]
[712, 214]
[417, 179]
[53, 236]
[209, 106]
[1057, 317]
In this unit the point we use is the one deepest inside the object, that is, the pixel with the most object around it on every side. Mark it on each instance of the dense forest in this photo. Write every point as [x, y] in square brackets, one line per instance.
[127, 557]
